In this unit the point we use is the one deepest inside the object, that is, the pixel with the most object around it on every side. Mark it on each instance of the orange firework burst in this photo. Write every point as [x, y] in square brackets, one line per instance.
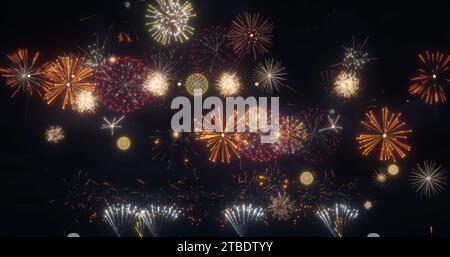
[389, 132]
[67, 76]
[222, 146]
[432, 76]
[251, 33]
[23, 74]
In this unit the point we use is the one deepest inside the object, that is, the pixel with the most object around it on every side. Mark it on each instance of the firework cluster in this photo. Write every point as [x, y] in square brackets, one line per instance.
[210, 62]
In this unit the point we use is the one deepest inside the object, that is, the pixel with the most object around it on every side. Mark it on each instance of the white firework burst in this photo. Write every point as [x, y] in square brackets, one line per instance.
[169, 21]
[428, 180]
[269, 76]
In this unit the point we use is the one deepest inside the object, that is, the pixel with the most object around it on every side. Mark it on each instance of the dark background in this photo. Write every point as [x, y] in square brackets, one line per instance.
[309, 37]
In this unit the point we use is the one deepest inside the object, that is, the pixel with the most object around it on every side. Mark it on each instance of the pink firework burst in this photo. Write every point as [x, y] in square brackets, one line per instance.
[120, 85]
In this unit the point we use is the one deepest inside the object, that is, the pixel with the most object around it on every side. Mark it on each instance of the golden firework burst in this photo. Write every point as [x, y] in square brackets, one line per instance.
[388, 134]
[292, 135]
[228, 84]
[197, 82]
[67, 76]
[380, 177]
[85, 101]
[346, 85]
[157, 83]
[223, 147]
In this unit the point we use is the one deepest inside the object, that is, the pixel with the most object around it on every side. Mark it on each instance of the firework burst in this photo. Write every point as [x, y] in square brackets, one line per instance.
[24, 74]
[254, 150]
[67, 76]
[54, 135]
[387, 133]
[121, 218]
[346, 85]
[322, 139]
[241, 217]
[211, 51]
[356, 57]
[428, 180]
[432, 77]
[169, 21]
[157, 83]
[120, 85]
[228, 84]
[380, 178]
[196, 81]
[251, 33]
[156, 217]
[293, 134]
[269, 76]
[85, 101]
[281, 207]
[95, 56]
[112, 125]
[338, 218]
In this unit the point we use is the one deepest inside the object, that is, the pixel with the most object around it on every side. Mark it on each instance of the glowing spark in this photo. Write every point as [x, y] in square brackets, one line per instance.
[338, 218]
[170, 21]
[251, 33]
[432, 76]
[428, 180]
[387, 133]
[307, 178]
[242, 217]
[123, 143]
[228, 84]
[368, 205]
[67, 77]
[24, 74]
[112, 125]
[393, 170]
[54, 135]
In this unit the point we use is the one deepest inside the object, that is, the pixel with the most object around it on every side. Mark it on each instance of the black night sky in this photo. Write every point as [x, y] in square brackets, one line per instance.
[308, 38]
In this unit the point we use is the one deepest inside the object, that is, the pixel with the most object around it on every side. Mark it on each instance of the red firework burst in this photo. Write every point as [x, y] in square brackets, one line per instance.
[255, 151]
[251, 33]
[120, 85]
[432, 77]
